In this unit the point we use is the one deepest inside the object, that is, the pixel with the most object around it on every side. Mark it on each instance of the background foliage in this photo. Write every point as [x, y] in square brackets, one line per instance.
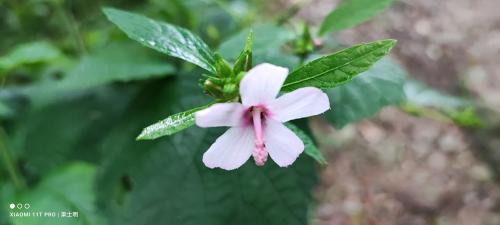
[77, 90]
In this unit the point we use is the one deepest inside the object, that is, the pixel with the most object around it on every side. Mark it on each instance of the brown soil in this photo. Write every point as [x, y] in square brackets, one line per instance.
[398, 169]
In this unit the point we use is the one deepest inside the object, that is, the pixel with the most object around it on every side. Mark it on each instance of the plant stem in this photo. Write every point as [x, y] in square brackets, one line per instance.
[302, 59]
[71, 26]
[10, 164]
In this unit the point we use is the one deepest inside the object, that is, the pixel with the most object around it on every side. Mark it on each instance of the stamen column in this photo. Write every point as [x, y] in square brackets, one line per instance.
[259, 154]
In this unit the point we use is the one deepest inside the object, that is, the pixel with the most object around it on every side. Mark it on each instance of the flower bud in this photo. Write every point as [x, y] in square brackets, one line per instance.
[211, 88]
[222, 67]
[304, 45]
[230, 90]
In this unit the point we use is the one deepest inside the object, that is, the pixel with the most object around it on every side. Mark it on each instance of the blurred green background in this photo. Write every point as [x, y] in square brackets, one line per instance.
[75, 91]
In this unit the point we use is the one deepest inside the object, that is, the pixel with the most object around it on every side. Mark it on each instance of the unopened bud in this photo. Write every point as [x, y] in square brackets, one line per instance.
[212, 89]
[230, 90]
[222, 67]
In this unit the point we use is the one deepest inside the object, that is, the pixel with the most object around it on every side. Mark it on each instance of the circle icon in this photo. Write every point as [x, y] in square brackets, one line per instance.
[19, 205]
[12, 205]
[27, 205]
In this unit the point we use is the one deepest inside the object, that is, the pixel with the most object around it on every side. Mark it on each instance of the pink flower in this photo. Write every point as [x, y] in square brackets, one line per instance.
[257, 122]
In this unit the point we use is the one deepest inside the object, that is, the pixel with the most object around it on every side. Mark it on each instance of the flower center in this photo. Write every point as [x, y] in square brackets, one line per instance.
[259, 154]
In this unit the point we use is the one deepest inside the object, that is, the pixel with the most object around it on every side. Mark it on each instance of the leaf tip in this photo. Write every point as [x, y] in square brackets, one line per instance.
[391, 42]
[388, 44]
[322, 162]
[142, 136]
[249, 41]
[106, 10]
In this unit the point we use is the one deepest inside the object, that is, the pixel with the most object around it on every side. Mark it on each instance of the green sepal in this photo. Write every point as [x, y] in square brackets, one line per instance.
[222, 67]
[244, 61]
[230, 90]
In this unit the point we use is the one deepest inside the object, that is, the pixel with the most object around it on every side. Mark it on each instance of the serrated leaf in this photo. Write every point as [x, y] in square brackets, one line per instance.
[69, 189]
[92, 116]
[170, 125]
[365, 95]
[28, 53]
[309, 147]
[338, 68]
[351, 13]
[163, 37]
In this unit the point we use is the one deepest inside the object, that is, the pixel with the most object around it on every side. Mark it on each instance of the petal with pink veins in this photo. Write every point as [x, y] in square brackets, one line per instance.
[220, 115]
[282, 144]
[230, 150]
[303, 102]
[262, 84]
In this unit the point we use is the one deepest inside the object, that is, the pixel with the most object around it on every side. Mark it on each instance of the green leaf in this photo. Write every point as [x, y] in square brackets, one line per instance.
[70, 129]
[170, 125]
[467, 117]
[166, 38]
[309, 146]
[338, 68]
[69, 189]
[116, 62]
[159, 170]
[248, 195]
[365, 95]
[419, 97]
[29, 53]
[165, 182]
[420, 94]
[351, 13]
[92, 116]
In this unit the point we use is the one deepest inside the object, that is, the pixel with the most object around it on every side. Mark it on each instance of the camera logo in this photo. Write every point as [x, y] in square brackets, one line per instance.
[19, 206]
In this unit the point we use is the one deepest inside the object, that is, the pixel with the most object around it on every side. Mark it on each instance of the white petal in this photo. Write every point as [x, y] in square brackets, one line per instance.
[231, 150]
[220, 115]
[282, 144]
[303, 102]
[262, 84]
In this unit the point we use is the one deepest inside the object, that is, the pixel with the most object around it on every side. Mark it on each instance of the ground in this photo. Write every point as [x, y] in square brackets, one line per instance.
[399, 169]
